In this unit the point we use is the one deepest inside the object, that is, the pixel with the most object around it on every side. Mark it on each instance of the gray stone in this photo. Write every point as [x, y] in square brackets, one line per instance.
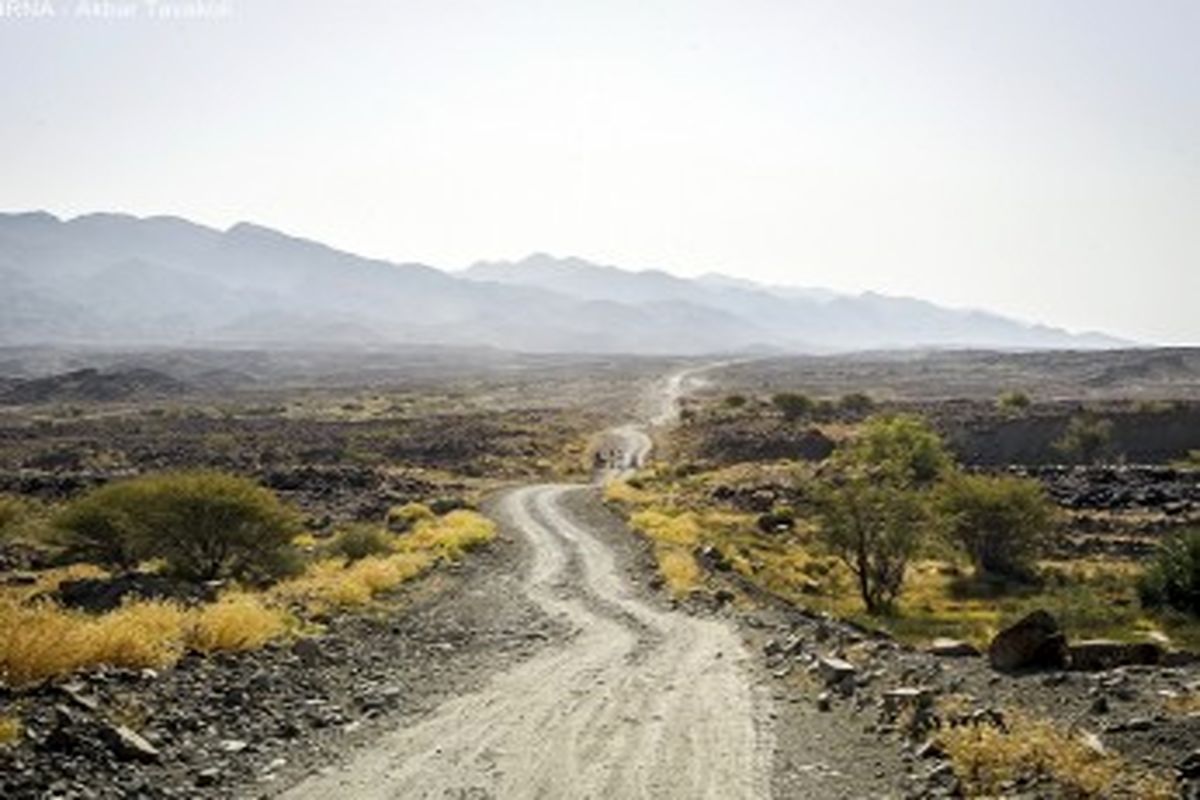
[1034, 641]
[952, 648]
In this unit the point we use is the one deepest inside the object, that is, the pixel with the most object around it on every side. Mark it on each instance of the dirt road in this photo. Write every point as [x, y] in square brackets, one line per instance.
[640, 702]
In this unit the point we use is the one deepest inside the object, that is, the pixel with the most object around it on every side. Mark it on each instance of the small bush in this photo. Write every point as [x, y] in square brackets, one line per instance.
[989, 759]
[105, 525]
[792, 406]
[402, 518]
[1013, 402]
[1173, 579]
[856, 404]
[205, 525]
[13, 511]
[735, 401]
[1086, 438]
[1002, 523]
[360, 541]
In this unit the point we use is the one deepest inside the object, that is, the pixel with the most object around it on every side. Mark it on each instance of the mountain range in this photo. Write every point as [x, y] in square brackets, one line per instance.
[116, 279]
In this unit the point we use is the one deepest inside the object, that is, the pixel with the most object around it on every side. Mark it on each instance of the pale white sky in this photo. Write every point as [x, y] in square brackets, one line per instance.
[1039, 158]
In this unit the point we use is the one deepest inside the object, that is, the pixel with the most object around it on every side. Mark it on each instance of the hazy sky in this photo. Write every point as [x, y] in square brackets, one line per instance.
[1035, 157]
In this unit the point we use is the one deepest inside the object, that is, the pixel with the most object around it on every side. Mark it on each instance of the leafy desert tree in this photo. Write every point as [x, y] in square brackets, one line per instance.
[1001, 522]
[1173, 579]
[875, 509]
[210, 525]
[901, 449]
[875, 528]
[1086, 438]
[792, 405]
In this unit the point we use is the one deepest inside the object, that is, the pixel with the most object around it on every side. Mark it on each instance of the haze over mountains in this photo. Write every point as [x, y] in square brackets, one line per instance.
[121, 280]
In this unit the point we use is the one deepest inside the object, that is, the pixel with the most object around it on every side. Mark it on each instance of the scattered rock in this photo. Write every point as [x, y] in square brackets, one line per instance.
[209, 776]
[128, 745]
[1189, 768]
[835, 671]
[97, 595]
[308, 651]
[905, 698]
[1094, 655]
[1034, 641]
[952, 648]
[824, 702]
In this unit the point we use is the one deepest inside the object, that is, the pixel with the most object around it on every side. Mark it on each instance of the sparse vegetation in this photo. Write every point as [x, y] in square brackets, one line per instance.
[1173, 579]
[359, 541]
[1013, 402]
[1002, 523]
[989, 759]
[1086, 439]
[792, 406]
[10, 729]
[856, 404]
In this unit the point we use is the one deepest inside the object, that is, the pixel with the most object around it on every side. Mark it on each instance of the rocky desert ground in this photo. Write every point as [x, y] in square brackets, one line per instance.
[651, 611]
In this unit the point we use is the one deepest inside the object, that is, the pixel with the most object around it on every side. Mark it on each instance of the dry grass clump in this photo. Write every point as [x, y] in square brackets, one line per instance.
[450, 536]
[677, 529]
[337, 583]
[1183, 704]
[10, 730]
[987, 758]
[43, 640]
[333, 584]
[239, 621]
[679, 569]
[674, 537]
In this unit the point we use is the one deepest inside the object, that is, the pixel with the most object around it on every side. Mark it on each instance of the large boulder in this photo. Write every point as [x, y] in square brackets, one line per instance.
[1033, 642]
[1094, 655]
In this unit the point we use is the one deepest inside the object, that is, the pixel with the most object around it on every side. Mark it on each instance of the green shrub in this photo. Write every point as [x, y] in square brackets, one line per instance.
[205, 525]
[1086, 438]
[1002, 523]
[1173, 579]
[359, 541]
[14, 512]
[1013, 401]
[104, 526]
[735, 401]
[856, 404]
[792, 406]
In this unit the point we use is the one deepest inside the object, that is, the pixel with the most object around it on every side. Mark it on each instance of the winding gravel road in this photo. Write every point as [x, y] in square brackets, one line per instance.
[639, 702]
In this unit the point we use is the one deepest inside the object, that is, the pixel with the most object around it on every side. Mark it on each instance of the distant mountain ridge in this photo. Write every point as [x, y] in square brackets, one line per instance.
[119, 279]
